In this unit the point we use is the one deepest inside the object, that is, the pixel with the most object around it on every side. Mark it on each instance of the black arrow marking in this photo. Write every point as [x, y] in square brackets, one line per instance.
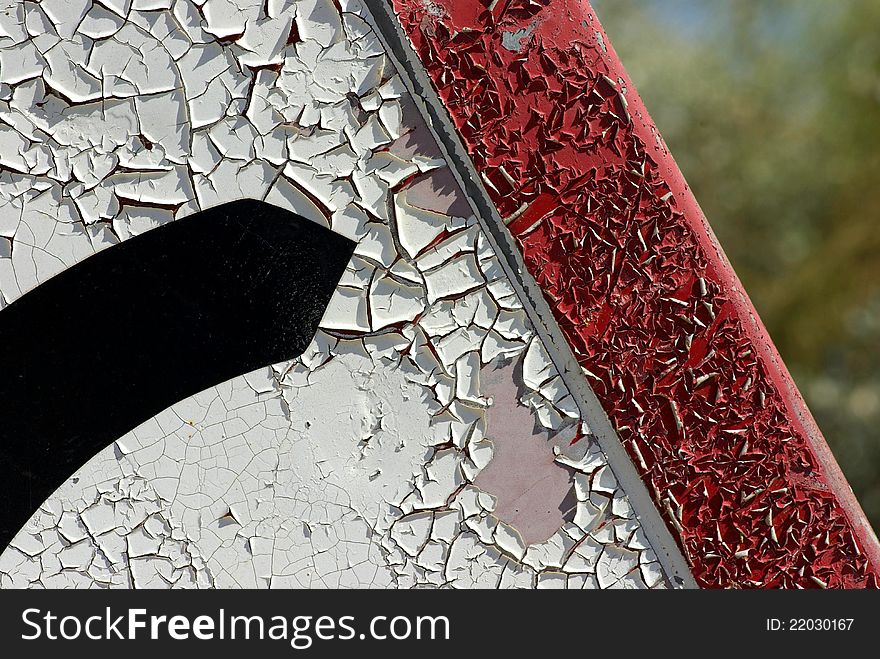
[114, 340]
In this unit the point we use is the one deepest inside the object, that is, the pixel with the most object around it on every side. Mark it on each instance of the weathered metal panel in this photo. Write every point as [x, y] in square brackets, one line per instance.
[657, 318]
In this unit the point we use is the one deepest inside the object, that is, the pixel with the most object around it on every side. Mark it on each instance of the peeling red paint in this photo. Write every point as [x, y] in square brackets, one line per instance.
[651, 308]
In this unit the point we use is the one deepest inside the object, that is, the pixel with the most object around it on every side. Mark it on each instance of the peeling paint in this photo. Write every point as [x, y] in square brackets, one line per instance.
[649, 305]
[355, 464]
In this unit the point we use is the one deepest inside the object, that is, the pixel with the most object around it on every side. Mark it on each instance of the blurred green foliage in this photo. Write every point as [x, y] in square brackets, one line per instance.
[772, 110]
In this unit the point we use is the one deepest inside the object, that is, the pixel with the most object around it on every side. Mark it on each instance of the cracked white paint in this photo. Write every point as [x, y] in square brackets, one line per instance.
[357, 464]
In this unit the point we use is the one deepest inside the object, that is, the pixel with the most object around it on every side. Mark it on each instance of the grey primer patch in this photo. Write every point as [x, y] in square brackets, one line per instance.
[513, 41]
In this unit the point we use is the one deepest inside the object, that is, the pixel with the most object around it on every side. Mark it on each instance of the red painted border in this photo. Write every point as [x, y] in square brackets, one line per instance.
[654, 313]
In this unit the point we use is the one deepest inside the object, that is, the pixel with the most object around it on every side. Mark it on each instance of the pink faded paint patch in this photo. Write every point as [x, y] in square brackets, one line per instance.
[529, 486]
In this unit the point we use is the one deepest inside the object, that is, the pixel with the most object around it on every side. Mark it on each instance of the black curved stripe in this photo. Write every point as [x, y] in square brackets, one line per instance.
[112, 341]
